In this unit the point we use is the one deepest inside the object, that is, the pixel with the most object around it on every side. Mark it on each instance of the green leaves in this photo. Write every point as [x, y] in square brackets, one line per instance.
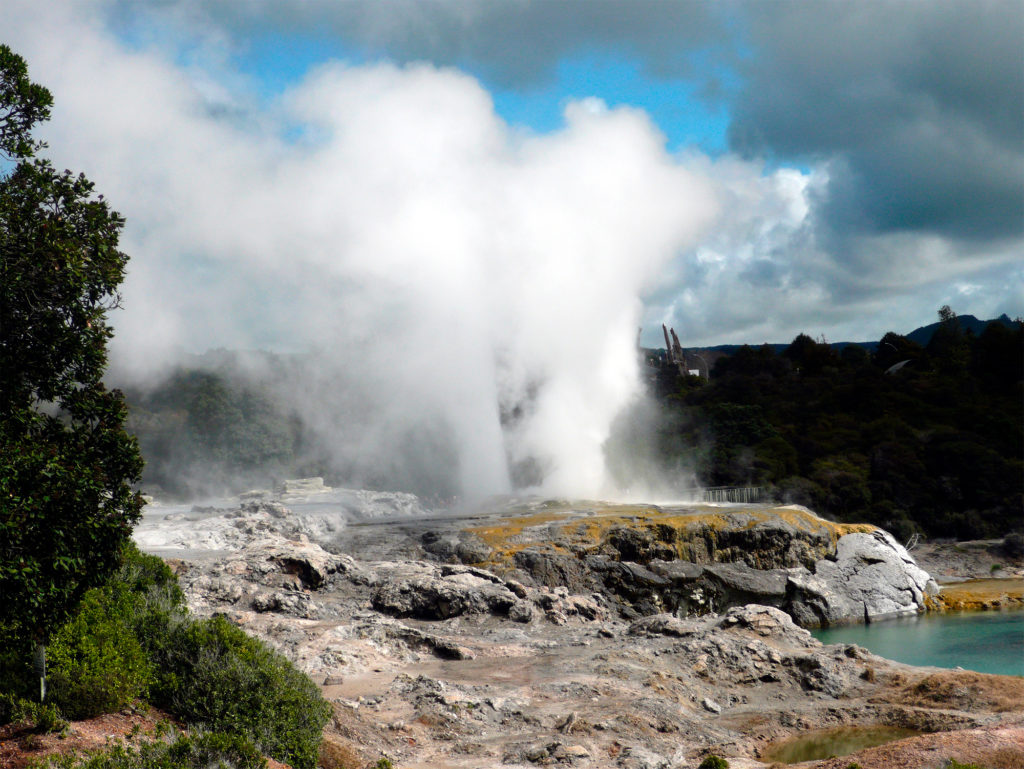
[22, 105]
[66, 463]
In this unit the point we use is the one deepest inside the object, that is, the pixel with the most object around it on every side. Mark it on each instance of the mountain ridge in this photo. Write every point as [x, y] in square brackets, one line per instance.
[921, 335]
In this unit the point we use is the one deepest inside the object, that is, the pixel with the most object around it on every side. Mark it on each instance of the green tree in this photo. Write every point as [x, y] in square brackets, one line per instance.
[22, 105]
[66, 464]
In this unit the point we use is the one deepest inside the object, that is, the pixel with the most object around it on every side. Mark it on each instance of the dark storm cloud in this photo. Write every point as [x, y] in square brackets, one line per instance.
[514, 43]
[917, 105]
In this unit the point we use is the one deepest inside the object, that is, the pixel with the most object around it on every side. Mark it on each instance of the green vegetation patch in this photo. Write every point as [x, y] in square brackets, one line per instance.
[198, 750]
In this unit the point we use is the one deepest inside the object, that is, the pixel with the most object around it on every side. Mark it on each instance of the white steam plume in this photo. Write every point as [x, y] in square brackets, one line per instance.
[436, 259]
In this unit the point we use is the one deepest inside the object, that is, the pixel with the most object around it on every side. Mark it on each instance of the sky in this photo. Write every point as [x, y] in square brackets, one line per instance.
[509, 189]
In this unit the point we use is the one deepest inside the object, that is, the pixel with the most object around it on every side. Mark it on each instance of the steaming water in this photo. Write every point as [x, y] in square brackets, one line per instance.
[987, 642]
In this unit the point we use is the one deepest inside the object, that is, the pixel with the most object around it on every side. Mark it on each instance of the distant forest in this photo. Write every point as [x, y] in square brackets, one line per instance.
[915, 438]
[912, 438]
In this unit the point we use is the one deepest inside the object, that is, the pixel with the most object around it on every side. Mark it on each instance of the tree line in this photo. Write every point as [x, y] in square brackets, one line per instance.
[914, 439]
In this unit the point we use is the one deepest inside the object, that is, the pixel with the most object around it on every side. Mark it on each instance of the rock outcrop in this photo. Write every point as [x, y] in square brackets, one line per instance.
[870, 577]
[701, 560]
[562, 652]
[644, 560]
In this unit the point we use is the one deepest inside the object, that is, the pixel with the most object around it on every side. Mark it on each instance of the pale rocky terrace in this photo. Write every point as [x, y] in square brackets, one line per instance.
[440, 663]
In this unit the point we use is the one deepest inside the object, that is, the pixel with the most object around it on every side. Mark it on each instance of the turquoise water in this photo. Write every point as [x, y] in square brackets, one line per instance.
[985, 641]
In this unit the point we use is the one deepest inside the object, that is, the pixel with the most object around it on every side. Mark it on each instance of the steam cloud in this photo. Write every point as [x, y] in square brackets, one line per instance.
[438, 262]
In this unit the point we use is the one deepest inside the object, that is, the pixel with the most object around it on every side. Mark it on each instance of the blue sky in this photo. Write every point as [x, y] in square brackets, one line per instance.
[276, 62]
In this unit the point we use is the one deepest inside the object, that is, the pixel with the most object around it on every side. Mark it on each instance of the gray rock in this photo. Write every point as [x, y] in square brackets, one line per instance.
[871, 577]
[766, 621]
[662, 624]
[521, 611]
[710, 705]
[636, 757]
[433, 596]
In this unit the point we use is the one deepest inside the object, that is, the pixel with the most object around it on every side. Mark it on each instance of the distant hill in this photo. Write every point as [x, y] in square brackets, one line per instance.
[923, 335]
[920, 335]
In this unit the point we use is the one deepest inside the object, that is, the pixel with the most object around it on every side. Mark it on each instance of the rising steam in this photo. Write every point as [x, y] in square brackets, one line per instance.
[448, 272]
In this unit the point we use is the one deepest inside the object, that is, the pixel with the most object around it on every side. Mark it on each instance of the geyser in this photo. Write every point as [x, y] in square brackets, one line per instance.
[441, 264]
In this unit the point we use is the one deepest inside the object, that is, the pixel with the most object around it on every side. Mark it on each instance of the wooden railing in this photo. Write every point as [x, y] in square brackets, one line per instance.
[740, 494]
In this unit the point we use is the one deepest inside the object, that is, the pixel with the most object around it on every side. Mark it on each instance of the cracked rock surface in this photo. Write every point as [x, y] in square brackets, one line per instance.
[437, 662]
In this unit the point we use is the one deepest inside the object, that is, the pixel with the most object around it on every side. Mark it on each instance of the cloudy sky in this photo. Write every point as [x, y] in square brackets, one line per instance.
[507, 189]
[865, 160]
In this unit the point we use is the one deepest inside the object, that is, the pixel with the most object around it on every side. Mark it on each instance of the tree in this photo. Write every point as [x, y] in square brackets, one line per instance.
[66, 463]
[22, 105]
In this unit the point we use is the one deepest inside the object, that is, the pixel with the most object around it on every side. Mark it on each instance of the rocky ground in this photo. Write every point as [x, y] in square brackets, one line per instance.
[576, 635]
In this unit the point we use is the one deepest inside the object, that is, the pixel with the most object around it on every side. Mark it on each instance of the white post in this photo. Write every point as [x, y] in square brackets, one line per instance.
[39, 663]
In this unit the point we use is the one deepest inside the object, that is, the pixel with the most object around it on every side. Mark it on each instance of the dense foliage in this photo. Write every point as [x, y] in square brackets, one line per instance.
[134, 639]
[932, 445]
[66, 464]
[208, 431]
[214, 674]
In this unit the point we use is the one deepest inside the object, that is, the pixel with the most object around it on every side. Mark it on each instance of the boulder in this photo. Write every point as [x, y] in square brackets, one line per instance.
[662, 624]
[434, 596]
[870, 577]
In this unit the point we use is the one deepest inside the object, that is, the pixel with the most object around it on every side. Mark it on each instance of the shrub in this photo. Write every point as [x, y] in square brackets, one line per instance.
[7, 703]
[714, 762]
[207, 749]
[98, 659]
[212, 673]
[160, 603]
[96, 664]
[203, 750]
[44, 718]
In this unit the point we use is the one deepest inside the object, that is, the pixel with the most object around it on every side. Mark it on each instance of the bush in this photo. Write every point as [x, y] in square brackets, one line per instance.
[160, 602]
[714, 762]
[43, 718]
[204, 750]
[17, 677]
[96, 664]
[212, 673]
[98, 660]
